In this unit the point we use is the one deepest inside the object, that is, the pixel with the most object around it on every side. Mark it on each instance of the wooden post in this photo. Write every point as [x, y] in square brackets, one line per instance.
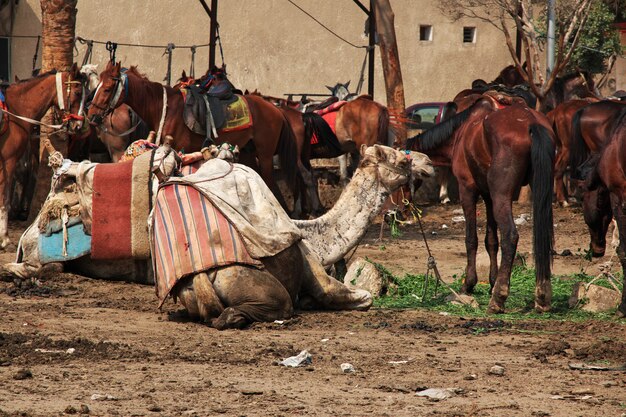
[58, 18]
[391, 65]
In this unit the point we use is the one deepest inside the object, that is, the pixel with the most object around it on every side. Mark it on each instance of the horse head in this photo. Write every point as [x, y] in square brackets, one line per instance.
[71, 96]
[340, 90]
[110, 94]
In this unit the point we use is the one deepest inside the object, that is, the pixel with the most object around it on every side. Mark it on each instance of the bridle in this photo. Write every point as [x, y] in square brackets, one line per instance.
[66, 114]
[121, 85]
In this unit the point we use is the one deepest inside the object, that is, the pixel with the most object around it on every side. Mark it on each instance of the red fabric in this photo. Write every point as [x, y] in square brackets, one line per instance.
[111, 227]
[330, 118]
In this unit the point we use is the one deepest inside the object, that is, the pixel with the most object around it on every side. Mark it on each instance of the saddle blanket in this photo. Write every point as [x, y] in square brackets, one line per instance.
[51, 246]
[190, 235]
[238, 116]
[228, 115]
[121, 205]
[329, 114]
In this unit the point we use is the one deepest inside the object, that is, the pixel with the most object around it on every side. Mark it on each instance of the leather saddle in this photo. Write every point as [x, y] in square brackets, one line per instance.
[197, 102]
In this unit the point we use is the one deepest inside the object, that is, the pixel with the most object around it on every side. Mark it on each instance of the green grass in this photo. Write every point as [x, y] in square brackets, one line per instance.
[406, 293]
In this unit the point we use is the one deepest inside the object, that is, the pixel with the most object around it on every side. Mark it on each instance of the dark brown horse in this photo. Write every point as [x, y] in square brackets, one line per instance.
[31, 98]
[561, 119]
[269, 134]
[608, 172]
[592, 126]
[493, 153]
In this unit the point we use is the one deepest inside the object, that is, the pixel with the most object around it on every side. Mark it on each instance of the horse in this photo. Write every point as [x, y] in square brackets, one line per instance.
[161, 107]
[592, 126]
[27, 101]
[575, 85]
[493, 153]
[608, 172]
[561, 119]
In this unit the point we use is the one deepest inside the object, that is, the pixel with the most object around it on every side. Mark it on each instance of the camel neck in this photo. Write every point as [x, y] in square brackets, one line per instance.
[339, 230]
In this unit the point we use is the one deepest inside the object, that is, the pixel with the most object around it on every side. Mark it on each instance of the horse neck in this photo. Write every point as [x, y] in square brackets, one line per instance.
[32, 98]
[335, 233]
[146, 99]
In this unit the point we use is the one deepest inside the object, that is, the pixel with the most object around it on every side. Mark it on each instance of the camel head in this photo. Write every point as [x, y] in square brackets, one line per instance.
[396, 168]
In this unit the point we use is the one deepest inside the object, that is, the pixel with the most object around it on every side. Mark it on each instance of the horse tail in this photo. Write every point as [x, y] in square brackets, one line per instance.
[579, 152]
[288, 153]
[542, 184]
[328, 145]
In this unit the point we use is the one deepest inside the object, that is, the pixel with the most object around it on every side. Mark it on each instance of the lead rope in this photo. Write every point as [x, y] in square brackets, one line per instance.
[162, 122]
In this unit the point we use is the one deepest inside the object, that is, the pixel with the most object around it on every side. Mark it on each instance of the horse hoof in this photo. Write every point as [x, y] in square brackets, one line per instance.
[541, 308]
[495, 309]
[564, 204]
[445, 201]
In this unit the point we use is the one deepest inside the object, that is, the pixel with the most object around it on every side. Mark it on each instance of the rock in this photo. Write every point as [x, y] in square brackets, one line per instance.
[347, 368]
[470, 377]
[84, 409]
[70, 410]
[522, 219]
[462, 299]
[301, 359]
[364, 275]
[608, 384]
[566, 252]
[594, 298]
[437, 393]
[23, 374]
[497, 370]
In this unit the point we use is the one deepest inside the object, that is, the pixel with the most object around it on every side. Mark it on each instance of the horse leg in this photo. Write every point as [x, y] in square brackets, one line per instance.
[355, 158]
[7, 170]
[468, 202]
[266, 166]
[310, 182]
[491, 242]
[598, 214]
[443, 177]
[560, 166]
[503, 215]
[620, 217]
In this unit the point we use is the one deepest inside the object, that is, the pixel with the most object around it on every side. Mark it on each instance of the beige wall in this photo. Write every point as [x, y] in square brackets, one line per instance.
[272, 46]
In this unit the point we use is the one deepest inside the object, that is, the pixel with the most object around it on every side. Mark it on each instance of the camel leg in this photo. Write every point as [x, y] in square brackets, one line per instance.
[251, 295]
[468, 202]
[319, 290]
[491, 242]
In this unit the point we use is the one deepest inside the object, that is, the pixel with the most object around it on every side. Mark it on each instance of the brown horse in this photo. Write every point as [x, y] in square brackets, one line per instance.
[31, 99]
[269, 134]
[608, 172]
[493, 153]
[561, 119]
[592, 126]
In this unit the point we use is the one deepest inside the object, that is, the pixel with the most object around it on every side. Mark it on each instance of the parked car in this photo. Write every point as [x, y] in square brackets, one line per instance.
[425, 115]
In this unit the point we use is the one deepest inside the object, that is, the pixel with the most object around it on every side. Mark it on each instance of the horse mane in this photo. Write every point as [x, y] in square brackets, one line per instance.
[36, 77]
[441, 133]
[133, 70]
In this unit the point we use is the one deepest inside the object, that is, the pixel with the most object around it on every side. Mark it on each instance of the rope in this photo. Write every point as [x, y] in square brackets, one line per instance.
[112, 48]
[138, 45]
[162, 122]
[219, 42]
[362, 77]
[88, 52]
[192, 66]
[325, 27]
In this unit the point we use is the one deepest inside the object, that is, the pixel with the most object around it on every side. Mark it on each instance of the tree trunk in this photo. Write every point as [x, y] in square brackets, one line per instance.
[391, 67]
[58, 18]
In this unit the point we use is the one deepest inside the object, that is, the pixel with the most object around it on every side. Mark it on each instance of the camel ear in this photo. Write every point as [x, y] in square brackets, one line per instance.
[362, 150]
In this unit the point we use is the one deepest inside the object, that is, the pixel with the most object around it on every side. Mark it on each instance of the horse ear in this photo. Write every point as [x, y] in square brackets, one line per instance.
[183, 75]
[16, 78]
[347, 84]
[74, 69]
[330, 88]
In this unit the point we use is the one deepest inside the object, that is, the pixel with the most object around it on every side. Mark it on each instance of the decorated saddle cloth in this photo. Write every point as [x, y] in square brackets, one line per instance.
[226, 115]
[221, 215]
[329, 114]
[120, 208]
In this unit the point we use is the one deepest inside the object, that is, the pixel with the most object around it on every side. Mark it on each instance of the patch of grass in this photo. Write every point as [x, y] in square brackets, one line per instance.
[407, 292]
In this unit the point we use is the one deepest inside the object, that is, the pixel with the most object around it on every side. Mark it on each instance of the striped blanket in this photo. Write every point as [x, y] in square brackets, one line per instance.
[121, 205]
[191, 235]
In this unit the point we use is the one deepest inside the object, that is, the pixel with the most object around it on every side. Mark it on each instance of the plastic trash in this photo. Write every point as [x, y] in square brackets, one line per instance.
[301, 359]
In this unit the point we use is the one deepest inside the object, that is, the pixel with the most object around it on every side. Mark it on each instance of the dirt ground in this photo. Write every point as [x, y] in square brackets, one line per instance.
[129, 359]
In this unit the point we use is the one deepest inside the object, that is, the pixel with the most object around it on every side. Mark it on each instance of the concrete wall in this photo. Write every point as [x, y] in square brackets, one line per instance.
[272, 46]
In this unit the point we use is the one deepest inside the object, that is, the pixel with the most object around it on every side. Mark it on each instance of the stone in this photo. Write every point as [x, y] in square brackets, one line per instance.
[364, 275]
[462, 299]
[594, 298]
[347, 368]
[497, 370]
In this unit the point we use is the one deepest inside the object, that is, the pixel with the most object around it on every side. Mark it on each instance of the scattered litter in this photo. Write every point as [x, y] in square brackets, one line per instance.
[444, 226]
[438, 393]
[522, 219]
[497, 370]
[302, 359]
[572, 397]
[398, 362]
[433, 233]
[444, 313]
[279, 321]
[588, 367]
[347, 368]
[324, 340]
[103, 397]
[458, 219]
[457, 211]
[68, 351]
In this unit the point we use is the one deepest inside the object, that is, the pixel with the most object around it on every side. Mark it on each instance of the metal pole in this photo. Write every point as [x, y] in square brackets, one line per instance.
[372, 49]
[213, 36]
[551, 38]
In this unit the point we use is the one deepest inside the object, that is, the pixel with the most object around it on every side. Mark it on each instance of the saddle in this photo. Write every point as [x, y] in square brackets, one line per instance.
[197, 102]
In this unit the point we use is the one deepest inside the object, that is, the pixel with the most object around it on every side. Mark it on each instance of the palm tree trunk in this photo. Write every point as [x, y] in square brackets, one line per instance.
[58, 18]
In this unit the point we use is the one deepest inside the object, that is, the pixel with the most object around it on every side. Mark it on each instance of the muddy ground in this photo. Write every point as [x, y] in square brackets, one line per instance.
[127, 358]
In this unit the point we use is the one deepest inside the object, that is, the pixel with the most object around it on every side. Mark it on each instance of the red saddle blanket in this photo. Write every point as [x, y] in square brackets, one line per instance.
[329, 114]
[120, 209]
[190, 235]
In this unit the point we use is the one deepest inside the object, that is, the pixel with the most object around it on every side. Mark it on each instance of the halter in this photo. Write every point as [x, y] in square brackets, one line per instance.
[121, 84]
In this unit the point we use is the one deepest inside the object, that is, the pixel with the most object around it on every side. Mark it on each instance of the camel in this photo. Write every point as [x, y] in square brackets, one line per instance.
[28, 264]
[287, 258]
